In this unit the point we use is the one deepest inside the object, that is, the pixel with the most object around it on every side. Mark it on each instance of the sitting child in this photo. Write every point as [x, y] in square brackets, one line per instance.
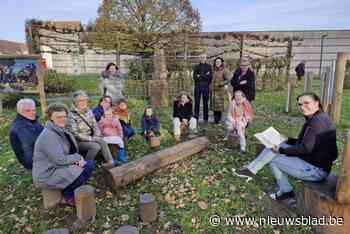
[112, 133]
[240, 113]
[183, 115]
[149, 124]
[121, 111]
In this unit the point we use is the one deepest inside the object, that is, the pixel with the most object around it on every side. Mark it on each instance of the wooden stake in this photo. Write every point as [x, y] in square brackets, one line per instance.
[308, 82]
[343, 185]
[291, 85]
[325, 87]
[338, 86]
[41, 88]
[85, 203]
[51, 197]
[148, 208]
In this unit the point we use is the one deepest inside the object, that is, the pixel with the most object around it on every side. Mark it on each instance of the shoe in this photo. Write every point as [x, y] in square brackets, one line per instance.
[279, 196]
[244, 173]
[121, 155]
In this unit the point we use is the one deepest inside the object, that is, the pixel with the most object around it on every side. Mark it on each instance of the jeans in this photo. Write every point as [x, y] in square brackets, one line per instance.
[68, 192]
[282, 165]
[128, 131]
[177, 125]
[204, 93]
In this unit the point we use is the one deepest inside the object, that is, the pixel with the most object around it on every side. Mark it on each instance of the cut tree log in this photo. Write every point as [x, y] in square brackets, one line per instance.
[130, 172]
[57, 231]
[343, 185]
[316, 201]
[51, 197]
[148, 208]
[85, 203]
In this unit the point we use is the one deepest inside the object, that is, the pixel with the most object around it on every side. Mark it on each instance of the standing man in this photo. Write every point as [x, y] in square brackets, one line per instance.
[202, 76]
[24, 131]
[244, 79]
[300, 70]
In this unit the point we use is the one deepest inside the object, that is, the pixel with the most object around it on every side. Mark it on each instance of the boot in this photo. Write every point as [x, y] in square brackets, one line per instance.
[121, 155]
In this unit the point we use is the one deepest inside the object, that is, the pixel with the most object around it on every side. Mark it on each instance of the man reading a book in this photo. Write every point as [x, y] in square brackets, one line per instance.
[309, 157]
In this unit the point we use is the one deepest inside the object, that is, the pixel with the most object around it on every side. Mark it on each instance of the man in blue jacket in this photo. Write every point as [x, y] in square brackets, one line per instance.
[24, 131]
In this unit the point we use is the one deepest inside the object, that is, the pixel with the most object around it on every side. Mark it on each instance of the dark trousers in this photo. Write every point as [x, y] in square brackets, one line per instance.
[68, 192]
[198, 93]
[128, 131]
[217, 116]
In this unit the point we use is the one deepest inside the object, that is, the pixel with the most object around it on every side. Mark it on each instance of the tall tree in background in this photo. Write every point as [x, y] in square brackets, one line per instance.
[144, 24]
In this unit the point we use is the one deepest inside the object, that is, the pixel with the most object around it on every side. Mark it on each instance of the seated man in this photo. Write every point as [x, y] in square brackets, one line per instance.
[24, 131]
[310, 157]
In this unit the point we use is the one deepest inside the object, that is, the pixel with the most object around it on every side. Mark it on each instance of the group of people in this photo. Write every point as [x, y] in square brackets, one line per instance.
[61, 154]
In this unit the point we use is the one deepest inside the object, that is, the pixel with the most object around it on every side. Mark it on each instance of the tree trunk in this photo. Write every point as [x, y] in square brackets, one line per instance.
[130, 172]
[343, 185]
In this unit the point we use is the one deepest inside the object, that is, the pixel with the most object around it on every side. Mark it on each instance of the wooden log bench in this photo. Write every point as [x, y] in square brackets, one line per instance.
[51, 197]
[329, 199]
[132, 171]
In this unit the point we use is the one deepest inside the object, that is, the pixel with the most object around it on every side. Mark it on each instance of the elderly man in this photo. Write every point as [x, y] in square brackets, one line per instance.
[202, 76]
[24, 131]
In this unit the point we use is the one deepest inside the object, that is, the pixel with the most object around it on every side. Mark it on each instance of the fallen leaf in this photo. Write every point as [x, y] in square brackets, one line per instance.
[125, 217]
[109, 194]
[202, 205]
[29, 228]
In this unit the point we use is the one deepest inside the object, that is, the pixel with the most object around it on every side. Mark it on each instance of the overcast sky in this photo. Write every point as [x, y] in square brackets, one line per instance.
[223, 15]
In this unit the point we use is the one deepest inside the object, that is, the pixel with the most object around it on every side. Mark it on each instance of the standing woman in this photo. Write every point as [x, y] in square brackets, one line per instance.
[57, 163]
[112, 83]
[244, 79]
[220, 79]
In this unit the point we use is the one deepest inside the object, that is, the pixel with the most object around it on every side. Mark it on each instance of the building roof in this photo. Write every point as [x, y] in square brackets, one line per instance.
[12, 48]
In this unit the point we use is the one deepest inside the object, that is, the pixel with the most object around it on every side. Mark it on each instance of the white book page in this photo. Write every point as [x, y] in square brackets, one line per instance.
[270, 137]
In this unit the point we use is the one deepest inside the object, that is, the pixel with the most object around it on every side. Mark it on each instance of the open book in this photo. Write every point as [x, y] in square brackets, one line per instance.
[270, 137]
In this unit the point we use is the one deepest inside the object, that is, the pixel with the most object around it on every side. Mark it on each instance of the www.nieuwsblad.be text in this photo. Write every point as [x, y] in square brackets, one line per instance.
[216, 220]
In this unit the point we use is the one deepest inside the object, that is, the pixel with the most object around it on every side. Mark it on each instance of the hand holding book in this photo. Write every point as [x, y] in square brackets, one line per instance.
[271, 138]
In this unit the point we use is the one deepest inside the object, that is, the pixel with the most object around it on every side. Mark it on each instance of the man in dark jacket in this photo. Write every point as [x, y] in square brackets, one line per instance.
[202, 76]
[300, 70]
[244, 79]
[310, 157]
[24, 131]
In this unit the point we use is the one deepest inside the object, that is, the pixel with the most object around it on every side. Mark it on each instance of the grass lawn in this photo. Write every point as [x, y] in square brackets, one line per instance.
[188, 193]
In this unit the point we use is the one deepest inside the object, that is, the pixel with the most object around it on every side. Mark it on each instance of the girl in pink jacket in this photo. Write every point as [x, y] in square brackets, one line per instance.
[240, 113]
[112, 133]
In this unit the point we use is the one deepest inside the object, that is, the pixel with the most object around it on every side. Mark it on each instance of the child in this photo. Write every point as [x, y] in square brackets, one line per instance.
[112, 133]
[149, 124]
[121, 111]
[240, 113]
[183, 115]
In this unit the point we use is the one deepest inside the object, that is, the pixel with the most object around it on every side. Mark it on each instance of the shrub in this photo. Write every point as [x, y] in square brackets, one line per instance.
[57, 82]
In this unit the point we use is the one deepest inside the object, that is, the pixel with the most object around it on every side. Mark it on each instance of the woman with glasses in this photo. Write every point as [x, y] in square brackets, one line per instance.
[309, 157]
[244, 79]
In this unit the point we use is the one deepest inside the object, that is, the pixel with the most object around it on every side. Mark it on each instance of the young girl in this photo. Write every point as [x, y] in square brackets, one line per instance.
[112, 133]
[149, 124]
[121, 111]
[240, 113]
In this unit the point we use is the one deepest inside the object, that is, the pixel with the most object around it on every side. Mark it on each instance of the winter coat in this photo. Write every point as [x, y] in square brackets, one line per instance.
[248, 88]
[233, 115]
[220, 79]
[55, 153]
[202, 75]
[23, 134]
[182, 111]
[83, 130]
[300, 69]
[150, 124]
[112, 85]
[98, 112]
[111, 127]
[316, 143]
